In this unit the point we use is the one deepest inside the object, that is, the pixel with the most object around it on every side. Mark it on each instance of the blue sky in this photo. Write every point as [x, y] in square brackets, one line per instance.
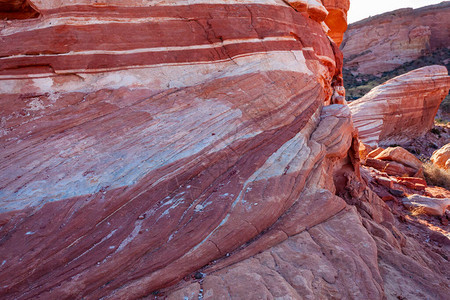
[361, 9]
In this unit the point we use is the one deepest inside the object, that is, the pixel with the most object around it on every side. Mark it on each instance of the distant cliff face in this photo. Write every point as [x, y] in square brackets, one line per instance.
[385, 42]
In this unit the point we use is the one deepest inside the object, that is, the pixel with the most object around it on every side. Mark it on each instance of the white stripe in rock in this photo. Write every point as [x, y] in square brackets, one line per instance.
[160, 49]
[158, 77]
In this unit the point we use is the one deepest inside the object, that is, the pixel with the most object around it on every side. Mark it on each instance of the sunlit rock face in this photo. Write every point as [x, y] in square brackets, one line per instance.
[402, 108]
[146, 141]
[142, 140]
[441, 157]
[332, 12]
[384, 42]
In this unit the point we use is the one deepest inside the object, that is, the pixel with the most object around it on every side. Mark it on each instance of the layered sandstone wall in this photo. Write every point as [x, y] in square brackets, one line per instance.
[143, 142]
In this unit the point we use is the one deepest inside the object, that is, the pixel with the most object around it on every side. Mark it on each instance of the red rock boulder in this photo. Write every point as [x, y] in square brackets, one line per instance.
[17, 9]
[143, 141]
[441, 157]
[402, 108]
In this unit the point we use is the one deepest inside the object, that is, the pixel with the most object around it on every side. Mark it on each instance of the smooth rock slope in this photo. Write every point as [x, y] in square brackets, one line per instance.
[171, 149]
[141, 141]
[441, 157]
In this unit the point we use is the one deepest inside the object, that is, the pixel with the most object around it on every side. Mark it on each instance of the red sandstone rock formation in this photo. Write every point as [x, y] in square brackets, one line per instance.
[441, 157]
[142, 142]
[386, 41]
[398, 162]
[427, 205]
[337, 18]
[402, 108]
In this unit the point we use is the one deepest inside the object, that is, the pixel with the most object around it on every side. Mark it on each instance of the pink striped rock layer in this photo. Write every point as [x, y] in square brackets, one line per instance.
[144, 141]
[141, 142]
[402, 108]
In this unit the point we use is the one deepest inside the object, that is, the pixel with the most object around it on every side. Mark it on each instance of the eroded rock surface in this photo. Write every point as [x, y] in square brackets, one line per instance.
[337, 18]
[143, 142]
[323, 262]
[384, 42]
[402, 108]
[441, 157]
[426, 205]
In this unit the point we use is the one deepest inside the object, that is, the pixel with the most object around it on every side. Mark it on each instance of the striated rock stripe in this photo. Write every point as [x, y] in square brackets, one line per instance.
[206, 37]
[58, 4]
[228, 117]
[106, 231]
[136, 152]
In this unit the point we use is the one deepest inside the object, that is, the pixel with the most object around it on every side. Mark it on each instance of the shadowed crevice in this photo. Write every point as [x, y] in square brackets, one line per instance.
[17, 9]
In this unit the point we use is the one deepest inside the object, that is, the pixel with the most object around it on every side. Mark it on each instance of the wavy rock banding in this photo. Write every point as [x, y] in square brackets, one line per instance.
[402, 108]
[146, 141]
[154, 152]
